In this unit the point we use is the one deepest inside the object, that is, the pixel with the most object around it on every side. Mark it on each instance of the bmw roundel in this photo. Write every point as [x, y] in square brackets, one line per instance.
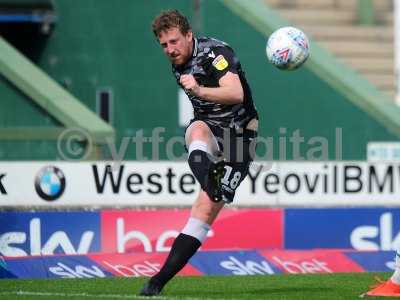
[50, 183]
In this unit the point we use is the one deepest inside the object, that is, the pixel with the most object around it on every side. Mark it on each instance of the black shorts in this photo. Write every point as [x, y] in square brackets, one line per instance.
[238, 148]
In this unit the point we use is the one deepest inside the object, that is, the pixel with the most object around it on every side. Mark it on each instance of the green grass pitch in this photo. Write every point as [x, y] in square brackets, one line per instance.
[307, 287]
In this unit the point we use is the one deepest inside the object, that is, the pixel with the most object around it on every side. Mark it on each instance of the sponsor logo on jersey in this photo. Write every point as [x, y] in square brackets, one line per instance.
[220, 63]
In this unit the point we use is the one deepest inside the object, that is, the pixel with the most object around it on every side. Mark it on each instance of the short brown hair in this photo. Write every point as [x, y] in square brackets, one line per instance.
[170, 19]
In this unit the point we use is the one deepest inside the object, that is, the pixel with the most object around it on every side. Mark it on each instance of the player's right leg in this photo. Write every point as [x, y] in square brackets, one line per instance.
[203, 213]
[207, 166]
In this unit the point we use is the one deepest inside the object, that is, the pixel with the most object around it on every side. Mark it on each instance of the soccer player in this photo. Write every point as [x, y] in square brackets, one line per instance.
[219, 139]
[391, 287]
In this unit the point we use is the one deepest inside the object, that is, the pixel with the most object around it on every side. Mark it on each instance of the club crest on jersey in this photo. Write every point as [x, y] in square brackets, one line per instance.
[220, 63]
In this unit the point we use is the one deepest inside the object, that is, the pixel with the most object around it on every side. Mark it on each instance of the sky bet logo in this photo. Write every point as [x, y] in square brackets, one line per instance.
[50, 183]
[233, 263]
[46, 233]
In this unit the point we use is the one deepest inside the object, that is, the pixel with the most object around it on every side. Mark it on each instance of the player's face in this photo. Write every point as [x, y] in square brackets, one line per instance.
[177, 46]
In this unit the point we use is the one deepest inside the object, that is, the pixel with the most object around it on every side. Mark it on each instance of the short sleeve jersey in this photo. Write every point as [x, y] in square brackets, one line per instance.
[211, 59]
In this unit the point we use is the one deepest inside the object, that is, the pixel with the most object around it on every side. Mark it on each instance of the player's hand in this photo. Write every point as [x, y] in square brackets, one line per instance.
[190, 84]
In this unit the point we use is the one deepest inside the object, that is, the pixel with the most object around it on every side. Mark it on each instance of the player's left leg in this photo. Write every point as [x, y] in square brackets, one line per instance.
[391, 287]
[204, 160]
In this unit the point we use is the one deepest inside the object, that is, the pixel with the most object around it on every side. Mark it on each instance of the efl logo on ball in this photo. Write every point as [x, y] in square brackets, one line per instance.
[288, 48]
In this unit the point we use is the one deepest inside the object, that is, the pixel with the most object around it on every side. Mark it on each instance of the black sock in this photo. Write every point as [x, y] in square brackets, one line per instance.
[183, 248]
[199, 162]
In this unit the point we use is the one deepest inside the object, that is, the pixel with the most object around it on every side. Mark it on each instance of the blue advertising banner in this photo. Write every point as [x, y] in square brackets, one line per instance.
[73, 266]
[233, 263]
[4, 273]
[267, 262]
[44, 233]
[345, 228]
[382, 261]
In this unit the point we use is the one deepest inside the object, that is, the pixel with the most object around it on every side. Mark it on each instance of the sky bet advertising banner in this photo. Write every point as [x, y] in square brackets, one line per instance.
[131, 231]
[318, 184]
[153, 231]
[361, 229]
[223, 262]
[250, 241]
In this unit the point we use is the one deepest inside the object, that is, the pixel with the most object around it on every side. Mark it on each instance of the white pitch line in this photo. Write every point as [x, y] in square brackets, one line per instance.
[109, 296]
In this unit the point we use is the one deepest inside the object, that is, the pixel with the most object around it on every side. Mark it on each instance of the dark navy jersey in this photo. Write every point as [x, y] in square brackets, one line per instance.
[212, 59]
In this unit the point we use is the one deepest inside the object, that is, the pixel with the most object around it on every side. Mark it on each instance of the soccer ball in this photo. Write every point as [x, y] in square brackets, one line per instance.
[288, 48]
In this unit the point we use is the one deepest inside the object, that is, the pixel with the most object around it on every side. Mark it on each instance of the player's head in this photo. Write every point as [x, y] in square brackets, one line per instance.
[174, 34]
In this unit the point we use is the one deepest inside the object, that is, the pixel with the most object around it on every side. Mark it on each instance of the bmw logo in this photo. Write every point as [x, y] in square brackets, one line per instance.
[50, 183]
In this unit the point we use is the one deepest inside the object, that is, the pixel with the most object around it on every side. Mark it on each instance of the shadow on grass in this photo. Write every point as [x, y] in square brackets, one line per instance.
[257, 292]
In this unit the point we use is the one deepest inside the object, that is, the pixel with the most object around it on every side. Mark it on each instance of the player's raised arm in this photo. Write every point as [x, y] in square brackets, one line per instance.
[223, 67]
[230, 90]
